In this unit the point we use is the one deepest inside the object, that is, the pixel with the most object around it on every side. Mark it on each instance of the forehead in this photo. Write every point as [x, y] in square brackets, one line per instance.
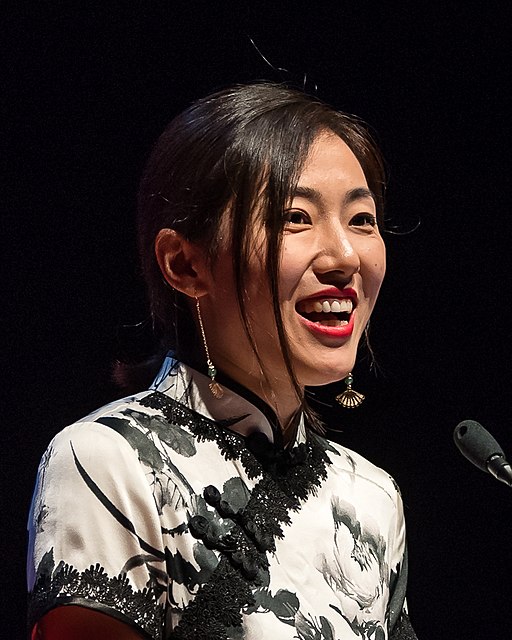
[330, 161]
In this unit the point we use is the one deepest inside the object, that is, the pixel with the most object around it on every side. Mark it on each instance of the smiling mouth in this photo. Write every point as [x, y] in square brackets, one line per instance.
[328, 312]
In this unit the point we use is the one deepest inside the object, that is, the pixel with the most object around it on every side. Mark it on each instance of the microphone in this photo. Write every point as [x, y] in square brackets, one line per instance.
[480, 448]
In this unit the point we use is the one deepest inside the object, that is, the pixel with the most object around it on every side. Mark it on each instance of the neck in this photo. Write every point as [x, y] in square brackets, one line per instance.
[278, 393]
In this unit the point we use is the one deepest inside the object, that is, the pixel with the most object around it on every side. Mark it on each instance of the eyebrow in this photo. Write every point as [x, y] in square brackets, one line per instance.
[316, 197]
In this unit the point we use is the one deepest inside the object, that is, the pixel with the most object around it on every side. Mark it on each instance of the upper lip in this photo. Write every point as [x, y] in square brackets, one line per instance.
[333, 293]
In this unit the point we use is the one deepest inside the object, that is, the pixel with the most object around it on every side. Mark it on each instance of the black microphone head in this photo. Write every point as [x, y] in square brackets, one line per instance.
[476, 443]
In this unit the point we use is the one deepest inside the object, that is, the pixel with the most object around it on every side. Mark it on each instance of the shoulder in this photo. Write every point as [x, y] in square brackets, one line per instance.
[128, 442]
[113, 425]
[106, 447]
[98, 436]
[346, 461]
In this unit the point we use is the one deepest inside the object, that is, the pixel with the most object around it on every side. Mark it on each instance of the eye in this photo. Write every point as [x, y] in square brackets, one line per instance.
[296, 217]
[364, 220]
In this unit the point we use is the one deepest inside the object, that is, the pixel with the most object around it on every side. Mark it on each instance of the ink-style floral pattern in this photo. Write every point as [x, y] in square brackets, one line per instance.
[184, 515]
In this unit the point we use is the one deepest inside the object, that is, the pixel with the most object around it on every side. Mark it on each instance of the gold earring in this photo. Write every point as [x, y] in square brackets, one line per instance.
[350, 399]
[215, 387]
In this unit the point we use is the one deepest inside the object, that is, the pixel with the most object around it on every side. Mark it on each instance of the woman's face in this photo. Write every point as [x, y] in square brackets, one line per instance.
[332, 266]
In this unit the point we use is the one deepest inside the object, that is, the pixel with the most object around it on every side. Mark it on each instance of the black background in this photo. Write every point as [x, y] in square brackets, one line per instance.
[88, 88]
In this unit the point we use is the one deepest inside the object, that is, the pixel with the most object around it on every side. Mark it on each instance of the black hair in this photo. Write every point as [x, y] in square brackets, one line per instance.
[228, 152]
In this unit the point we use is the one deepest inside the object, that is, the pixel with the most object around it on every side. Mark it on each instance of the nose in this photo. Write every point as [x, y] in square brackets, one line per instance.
[336, 254]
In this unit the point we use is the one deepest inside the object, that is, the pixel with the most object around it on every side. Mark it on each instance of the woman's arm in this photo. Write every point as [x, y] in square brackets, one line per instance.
[79, 623]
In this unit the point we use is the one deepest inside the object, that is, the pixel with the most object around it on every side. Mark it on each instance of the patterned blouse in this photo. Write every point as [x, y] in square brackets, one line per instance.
[184, 516]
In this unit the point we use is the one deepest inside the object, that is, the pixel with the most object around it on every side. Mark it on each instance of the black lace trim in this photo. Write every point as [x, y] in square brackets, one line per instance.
[217, 606]
[231, 444]
[96, 586]
[289, 477]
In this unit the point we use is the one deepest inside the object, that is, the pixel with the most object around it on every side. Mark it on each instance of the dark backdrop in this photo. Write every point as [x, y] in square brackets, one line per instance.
[88, 88]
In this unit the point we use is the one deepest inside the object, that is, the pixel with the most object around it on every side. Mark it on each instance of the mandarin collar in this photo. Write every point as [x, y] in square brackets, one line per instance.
[191, 388]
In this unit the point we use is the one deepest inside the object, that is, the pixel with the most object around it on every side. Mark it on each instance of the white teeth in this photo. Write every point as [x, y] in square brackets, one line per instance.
[333, 322]
[344, 305]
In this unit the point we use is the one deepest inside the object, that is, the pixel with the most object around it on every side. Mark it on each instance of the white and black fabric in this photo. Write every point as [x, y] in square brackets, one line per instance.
[184, 516]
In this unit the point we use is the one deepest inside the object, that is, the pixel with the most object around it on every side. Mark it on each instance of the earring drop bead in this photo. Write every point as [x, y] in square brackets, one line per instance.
[215, 388]
[350, 399]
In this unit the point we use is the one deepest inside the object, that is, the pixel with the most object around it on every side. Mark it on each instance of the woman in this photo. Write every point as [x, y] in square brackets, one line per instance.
[209, 506]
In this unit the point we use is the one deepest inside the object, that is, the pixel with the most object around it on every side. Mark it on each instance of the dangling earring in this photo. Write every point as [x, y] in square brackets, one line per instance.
[350, 399]
[215, 387]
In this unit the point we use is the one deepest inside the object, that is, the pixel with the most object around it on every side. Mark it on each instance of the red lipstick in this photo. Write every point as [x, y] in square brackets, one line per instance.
[319, 329]
[333, 292]
[332, 332]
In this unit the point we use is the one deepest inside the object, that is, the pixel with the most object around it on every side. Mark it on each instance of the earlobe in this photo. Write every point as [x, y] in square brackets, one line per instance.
[183, 263]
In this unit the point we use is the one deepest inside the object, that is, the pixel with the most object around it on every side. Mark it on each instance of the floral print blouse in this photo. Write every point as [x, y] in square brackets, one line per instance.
[184, 516]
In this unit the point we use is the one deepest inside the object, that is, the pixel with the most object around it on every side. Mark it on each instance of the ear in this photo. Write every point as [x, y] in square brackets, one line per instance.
[183, 263]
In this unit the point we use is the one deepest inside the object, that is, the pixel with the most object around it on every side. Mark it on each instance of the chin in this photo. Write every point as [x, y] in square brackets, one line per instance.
[320, 376]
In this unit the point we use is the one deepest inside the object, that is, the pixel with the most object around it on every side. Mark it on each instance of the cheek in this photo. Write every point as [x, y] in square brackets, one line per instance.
[373, 267]
[291, 270]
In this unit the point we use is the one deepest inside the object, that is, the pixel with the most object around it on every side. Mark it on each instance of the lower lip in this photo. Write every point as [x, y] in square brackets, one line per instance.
[332, 332]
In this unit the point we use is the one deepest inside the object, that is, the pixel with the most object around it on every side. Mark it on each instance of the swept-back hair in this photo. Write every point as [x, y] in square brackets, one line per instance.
[235, 149]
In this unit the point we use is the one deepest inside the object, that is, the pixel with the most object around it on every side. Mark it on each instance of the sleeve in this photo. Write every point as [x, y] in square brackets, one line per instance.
[94, 531]
[400, 627]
